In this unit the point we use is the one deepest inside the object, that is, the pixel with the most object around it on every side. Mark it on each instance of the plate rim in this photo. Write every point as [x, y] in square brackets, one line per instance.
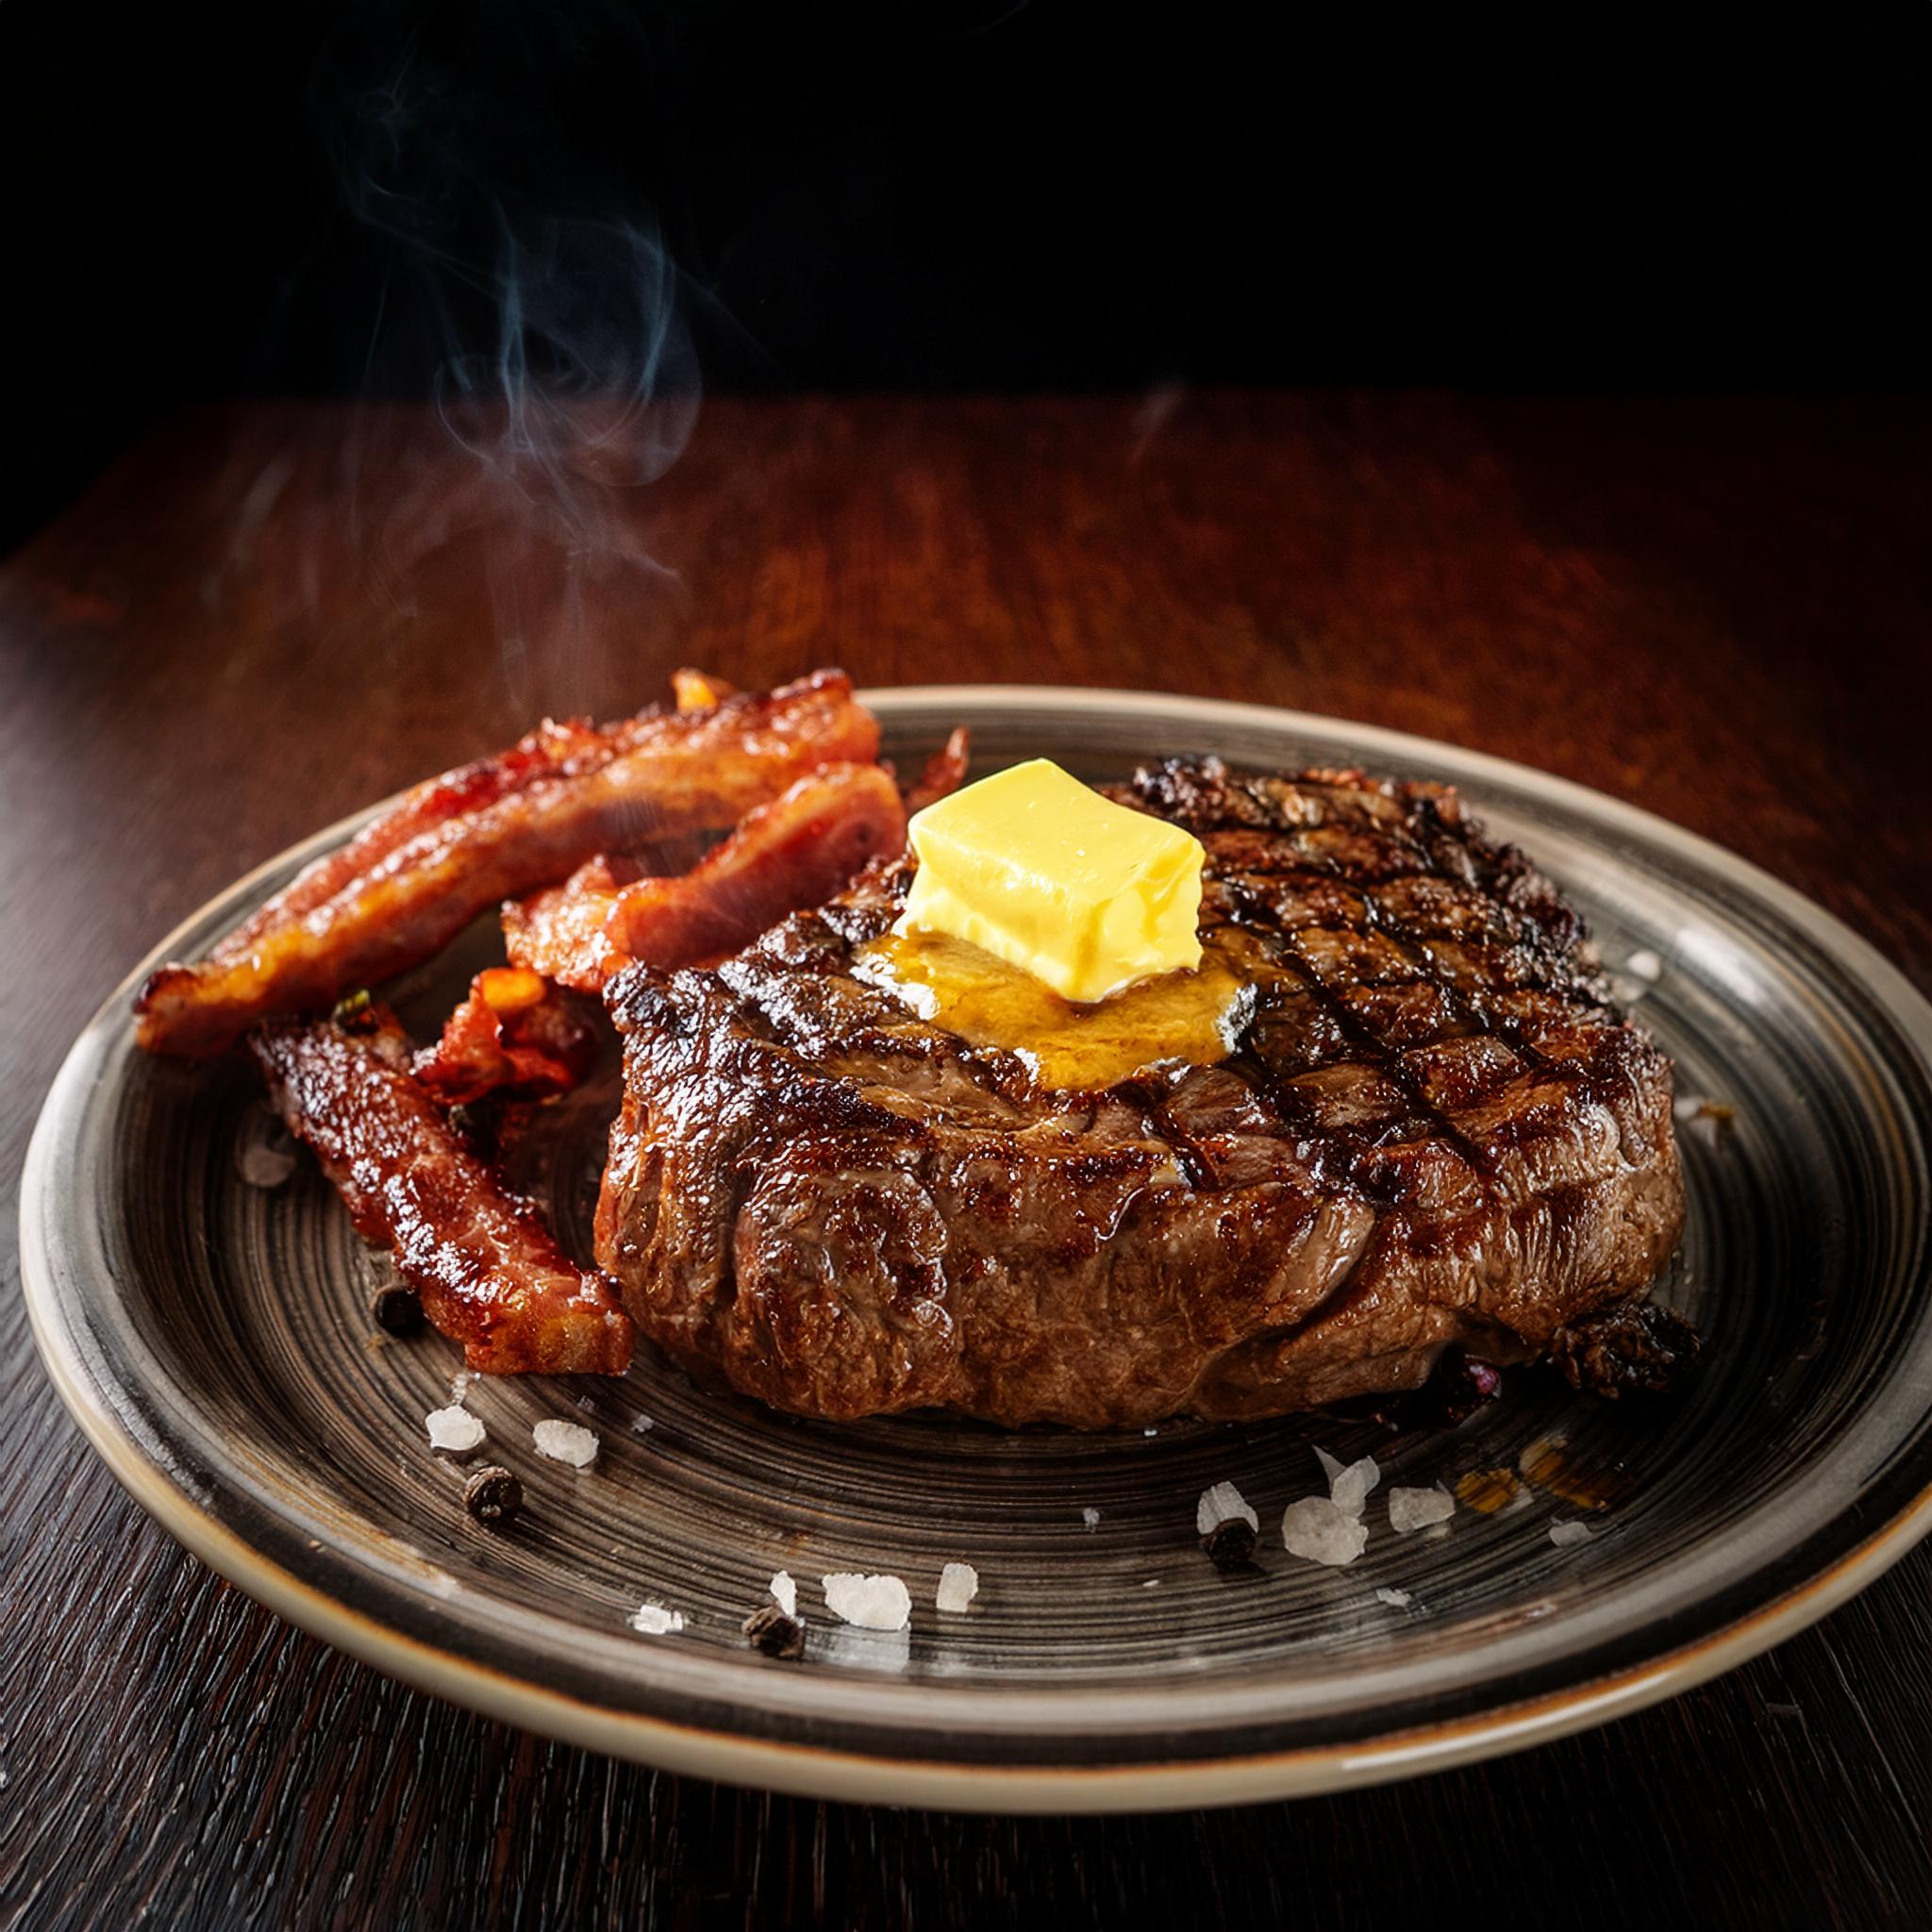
[830, 1771]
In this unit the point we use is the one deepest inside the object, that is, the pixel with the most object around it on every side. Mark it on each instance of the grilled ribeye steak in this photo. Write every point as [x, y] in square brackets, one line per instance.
[1433, 1130]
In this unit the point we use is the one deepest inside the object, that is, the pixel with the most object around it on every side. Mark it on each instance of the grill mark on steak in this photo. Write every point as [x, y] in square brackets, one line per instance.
[1433, 1131]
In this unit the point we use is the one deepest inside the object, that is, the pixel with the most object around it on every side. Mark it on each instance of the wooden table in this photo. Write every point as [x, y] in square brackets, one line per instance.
[269, 614]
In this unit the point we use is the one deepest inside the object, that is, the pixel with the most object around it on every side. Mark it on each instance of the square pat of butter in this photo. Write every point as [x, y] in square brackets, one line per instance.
[1044, 873]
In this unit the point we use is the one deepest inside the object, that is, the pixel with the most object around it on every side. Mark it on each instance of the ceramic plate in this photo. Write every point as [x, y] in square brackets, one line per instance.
[212, 1338]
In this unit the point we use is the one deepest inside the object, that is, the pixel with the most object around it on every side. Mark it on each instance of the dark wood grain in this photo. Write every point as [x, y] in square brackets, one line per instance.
[269, 614]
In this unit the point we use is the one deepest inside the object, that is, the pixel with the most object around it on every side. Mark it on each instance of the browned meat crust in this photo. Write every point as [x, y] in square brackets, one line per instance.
[488, 1271]
[1434, 1132]
[795, 851]
[410, 883]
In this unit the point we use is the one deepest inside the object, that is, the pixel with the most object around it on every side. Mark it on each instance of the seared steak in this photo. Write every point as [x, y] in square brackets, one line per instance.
[1434, 1130]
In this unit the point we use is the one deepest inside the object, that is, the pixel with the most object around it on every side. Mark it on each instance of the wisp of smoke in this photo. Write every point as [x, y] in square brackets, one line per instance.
[526, 283]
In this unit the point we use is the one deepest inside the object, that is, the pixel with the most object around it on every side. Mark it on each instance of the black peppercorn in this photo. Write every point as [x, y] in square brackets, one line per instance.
[396, 1310]
[492, 1495]
[1230, 1545]
[774, 1634]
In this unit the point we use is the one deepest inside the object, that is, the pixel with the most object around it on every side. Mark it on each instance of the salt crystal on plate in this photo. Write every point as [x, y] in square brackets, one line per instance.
[568, 1442]
[654, 1620]
[1223, 1504]
[1395, 1599]
[453, 1428]
[1091, 1517]
[1348, 1490]
[1332, 1466]
[959, 1586]
[874, 1603]
[1645, 965]
[1316, 1529]
[264, 1166]
[1413, 1509]
[642, 1426]
[1564, 1534]
[784, 1592]
[459, 1384]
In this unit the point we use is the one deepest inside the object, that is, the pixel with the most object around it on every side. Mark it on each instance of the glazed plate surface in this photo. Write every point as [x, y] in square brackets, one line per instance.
[212, 1338]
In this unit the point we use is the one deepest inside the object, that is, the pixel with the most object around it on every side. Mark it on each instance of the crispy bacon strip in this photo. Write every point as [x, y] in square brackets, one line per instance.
[945, 772]
[796, 851]
[489, 1274]
[517, 1035]
[410, 883]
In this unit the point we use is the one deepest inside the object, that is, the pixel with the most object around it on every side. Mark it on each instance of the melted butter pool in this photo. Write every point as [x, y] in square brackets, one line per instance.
[1196, 1016]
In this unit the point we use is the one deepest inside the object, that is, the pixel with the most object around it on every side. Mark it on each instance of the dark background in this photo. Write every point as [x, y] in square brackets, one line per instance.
[335, 200]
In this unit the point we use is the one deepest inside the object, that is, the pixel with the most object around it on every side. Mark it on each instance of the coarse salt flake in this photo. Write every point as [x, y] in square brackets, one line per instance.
[461, 1384]
[568, 1442]
[1332, 1466]
[263, 1166]
[1395, 1599]
[453, 1429]
[1091, 1517]
[1413, 1509]
[1348, 1488]
[1223, 1504]
[1645, 965]
[959, 1586]
[1316, 1529]
[654, 1620]
[784, 1592]
[642, 1426]
[872, 1603]
[1564, 1534]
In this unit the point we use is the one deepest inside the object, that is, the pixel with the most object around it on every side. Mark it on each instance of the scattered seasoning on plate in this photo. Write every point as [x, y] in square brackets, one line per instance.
[1349, 1488]
[1645, 965]
[872, 1603]
[1227, 1527]
[1230, 1545]
[568, 1442]
[959, 1586]
[771, 1633]
[266, 1151]
[454, 1429]
[1091, 1517]
[1412, 1510]
[396, 1310]
[1395, 1599]
[1564, 1534]
[784, 1592]
[654, 1620]
[1319, 1531]
[493, 1495]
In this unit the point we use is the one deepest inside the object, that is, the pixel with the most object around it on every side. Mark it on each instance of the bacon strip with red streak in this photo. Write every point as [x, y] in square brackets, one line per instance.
[410, 882]
[795, 852]
[515, 1034]
[489, 1274]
